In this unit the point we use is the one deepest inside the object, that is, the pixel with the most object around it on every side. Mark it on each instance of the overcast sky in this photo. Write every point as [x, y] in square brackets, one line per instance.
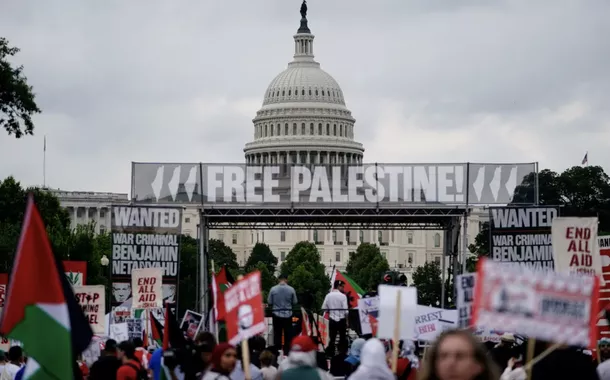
[427, 80]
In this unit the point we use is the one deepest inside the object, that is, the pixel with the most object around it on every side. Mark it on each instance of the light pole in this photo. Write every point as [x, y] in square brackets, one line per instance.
[105, 262]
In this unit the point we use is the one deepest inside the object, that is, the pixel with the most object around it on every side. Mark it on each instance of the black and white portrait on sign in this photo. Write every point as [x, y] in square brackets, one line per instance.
[121, 292]
[169, 293]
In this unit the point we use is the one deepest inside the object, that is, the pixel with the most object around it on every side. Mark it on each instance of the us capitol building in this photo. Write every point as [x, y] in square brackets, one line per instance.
[304, 119]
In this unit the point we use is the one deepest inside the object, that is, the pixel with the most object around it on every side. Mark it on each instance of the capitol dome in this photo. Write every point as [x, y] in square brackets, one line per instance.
[303, 119]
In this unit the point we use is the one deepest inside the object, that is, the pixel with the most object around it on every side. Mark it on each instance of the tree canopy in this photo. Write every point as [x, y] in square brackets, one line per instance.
[222, 255]
[306, 273]
[17, 100]
[427, 280]
[366, 266]
[261, 253]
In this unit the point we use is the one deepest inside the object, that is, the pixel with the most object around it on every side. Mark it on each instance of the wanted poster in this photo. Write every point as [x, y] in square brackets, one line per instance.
[145, 237]
[522, 236]
[550, 306]
[146, 285]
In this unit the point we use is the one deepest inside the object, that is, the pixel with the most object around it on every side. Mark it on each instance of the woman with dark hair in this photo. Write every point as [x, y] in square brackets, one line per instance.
[457, 354]
[224, 359]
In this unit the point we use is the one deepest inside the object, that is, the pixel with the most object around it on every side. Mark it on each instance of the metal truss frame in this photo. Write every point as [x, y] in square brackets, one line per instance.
[301, 218]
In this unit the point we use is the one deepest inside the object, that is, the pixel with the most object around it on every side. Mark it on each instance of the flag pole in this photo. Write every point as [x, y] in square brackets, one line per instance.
[44, 163]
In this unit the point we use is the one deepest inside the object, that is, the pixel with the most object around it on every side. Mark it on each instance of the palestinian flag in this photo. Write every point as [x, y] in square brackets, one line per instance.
[172, 334]
[353, 291]
[222, 281]
[40, 309]
[156, 330]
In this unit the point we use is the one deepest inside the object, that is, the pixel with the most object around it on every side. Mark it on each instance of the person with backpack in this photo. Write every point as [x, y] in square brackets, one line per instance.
[131, 368]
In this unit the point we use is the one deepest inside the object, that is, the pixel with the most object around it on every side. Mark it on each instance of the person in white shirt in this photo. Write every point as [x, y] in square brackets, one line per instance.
[15, 357]
[336, 304]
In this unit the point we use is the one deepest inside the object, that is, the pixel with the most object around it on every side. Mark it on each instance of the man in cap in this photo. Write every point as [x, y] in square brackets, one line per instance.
[301, 363]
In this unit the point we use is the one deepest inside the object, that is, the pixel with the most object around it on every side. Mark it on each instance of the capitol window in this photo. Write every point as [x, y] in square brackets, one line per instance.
[320, 129]
[289, 92]
[311, 129]
[437, 240]
[271, 130]
[294, 129]
[316, 92]
[322, 92]
[334, 129]
[328, 129]
[303, 92]
[410, 238]
[286, 129]
[302, 128]
[310, 92]
[282, 236]
[283, 93]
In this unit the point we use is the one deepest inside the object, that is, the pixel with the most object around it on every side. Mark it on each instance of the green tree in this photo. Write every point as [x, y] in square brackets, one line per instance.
[366, 266]
[427, 280]
[17, 103]
[13, 200]
[268, 280]
[222, 255]
[261, 253]
[187, 285]
[306, 273]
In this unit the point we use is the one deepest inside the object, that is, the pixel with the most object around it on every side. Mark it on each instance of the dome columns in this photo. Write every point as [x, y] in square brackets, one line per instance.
[304, 157]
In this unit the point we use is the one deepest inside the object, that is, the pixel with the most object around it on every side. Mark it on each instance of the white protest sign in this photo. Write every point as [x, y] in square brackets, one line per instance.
[5, 344]
[367, 308]
[388, 295]
[465, 297]
[146, 288]
[119, 332]
[550, 306]
[575, 245]
[431, 321]
[91, 299]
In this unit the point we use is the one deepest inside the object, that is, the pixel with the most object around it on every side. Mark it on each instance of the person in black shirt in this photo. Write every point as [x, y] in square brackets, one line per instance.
[106, 367]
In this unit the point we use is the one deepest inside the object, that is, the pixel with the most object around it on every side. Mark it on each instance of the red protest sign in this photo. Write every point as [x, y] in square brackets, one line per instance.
[555, 307]
[245, 316]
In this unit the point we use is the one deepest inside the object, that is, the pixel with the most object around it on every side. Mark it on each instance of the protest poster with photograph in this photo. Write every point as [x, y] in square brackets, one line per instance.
[368, 309]
[550, 306]
[119, 332]
[522, 236]
[575, 245]
[245, 316]
[92, 299]
[191, 323]
[465, 297]
[145, 237]
[135, 327]
[146, 286]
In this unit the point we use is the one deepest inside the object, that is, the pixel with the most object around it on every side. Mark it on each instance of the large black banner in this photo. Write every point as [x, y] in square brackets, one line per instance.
[522, 235]
[144, 237]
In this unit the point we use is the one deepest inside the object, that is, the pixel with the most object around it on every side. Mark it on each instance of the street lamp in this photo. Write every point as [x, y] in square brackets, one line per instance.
[104, 262]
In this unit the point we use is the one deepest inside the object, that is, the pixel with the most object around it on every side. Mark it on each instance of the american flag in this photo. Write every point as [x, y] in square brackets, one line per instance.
[585, 159]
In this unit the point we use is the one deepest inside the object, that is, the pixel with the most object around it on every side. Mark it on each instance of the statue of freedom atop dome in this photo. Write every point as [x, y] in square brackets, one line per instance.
[304, 9]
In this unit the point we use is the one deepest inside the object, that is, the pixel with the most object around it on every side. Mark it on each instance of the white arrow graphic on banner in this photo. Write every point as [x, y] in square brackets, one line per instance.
[174, 183]
[494, 185]
[478, 183]
[511, 183]
[191, 182]
[157, 183]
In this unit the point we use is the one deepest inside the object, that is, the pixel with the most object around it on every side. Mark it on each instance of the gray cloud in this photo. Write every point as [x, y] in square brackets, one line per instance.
[437, 80]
